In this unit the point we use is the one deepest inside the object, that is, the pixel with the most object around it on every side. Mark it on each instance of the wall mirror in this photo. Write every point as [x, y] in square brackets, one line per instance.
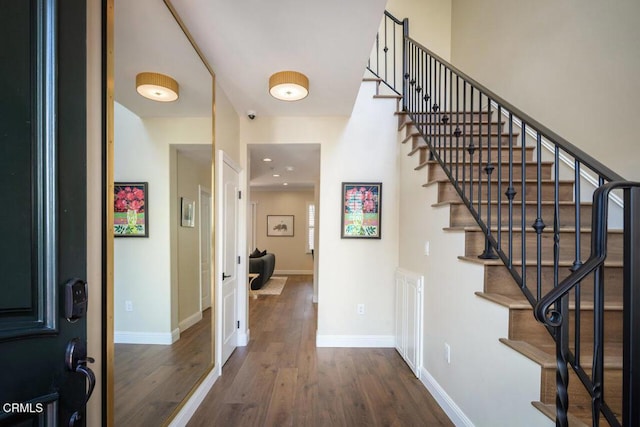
[162, 298]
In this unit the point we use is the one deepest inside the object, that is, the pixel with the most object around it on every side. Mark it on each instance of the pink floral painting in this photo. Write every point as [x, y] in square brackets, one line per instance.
[361, 210]
[130, 217]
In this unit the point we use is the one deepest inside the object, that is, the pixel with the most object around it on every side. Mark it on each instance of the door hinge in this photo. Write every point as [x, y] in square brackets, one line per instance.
[238, 324]
[240, 195]
[238, 259]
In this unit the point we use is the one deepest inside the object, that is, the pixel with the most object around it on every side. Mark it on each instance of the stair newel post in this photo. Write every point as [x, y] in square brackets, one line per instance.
[562, 367]
[631, 314]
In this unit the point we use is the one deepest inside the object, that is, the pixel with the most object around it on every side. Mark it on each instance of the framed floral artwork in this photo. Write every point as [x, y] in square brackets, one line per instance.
[130, 209]
[361, 208]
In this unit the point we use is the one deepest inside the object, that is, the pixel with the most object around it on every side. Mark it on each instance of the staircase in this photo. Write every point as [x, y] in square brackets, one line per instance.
[526, 335]
[521, 195]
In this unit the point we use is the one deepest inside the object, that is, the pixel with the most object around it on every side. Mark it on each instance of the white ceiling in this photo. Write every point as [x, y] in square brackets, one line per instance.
[245, 41]
[298, 165]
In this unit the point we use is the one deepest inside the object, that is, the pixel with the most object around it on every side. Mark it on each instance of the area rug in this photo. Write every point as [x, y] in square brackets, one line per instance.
[273, 287]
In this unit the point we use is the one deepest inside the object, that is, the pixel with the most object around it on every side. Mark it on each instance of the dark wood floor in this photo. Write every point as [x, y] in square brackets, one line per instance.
[151, 380]
[282, 379]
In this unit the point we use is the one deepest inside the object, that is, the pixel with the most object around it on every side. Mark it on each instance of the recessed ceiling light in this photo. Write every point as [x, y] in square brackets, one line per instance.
[289, 168]
[266, 159]
[285, 183]
[275, 175]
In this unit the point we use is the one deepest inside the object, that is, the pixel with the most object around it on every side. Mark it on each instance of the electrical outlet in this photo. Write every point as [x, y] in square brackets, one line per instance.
[128, 305]
[427, 248]
[360, 309]
[447, 353]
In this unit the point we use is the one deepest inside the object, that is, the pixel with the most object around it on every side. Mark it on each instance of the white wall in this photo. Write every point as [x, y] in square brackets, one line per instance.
[355, 148]
[291, 252]
[453, 314]
[142, 266]
[572, 65]
[191, 174]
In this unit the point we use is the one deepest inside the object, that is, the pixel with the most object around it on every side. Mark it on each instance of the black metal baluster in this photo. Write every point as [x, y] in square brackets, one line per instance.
[597, 377]
[562, 368]
[523, 198]
[499, 194]
[438, 109]
[471, 148]
[488, 249]
[464, 139]
[577, 262]
[511, 191]
[394, 54]
[480, 156]
[444, 120]
[538, 224]
[386, 50]
[450, 122]
[457, 131]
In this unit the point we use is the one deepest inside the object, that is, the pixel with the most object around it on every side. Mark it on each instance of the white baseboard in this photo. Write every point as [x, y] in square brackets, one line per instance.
[276, 272]
[367, 341]
[190, 406]
[447, 404]
[190, 321]
[243, 338]
[163, 338]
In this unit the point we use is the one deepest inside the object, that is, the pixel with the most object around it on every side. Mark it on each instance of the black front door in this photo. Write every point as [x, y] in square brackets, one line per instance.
[44, 372]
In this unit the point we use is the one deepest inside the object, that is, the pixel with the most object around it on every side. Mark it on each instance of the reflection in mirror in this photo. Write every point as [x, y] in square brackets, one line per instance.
[162, 282]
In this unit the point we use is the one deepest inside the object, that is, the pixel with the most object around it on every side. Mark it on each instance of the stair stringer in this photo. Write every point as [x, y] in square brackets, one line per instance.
[486, 383]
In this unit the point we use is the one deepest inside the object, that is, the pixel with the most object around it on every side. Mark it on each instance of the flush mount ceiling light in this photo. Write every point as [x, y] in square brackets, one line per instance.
[288, 86]
[157, 87]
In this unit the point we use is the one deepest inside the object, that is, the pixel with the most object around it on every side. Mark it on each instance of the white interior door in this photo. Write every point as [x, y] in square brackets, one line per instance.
[205, 247]
[229, 293]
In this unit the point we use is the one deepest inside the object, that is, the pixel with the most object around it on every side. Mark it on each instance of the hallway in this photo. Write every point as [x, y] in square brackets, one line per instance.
[282, 379]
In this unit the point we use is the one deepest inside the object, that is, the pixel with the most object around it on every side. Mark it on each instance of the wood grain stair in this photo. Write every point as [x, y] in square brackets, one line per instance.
[525, 335]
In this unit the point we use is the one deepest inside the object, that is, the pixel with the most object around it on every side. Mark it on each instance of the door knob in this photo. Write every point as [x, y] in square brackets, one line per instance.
[76, 360]
[225, 276]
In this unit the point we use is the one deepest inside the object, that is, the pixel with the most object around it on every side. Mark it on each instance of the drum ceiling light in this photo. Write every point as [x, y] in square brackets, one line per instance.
[288, 86]
[157, 87]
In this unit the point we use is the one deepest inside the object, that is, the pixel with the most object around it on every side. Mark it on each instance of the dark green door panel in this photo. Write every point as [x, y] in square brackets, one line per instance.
[43, 205]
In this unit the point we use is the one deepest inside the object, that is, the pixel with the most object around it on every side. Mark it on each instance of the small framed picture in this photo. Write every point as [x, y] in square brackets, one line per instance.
[280, 225]
[130, 209]
[361, 208]
[188, 212]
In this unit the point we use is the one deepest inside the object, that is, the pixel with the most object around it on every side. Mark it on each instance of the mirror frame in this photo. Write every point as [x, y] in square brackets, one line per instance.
[108, 259]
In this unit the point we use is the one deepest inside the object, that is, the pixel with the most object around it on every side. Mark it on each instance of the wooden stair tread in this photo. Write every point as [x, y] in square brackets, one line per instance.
[523, 304]
[519, 181]
[372, 79]
[528, 262]
[504, 229]
[544, 355]
[387, 96]
[550, 411]
[516, 202]
[527, 163]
